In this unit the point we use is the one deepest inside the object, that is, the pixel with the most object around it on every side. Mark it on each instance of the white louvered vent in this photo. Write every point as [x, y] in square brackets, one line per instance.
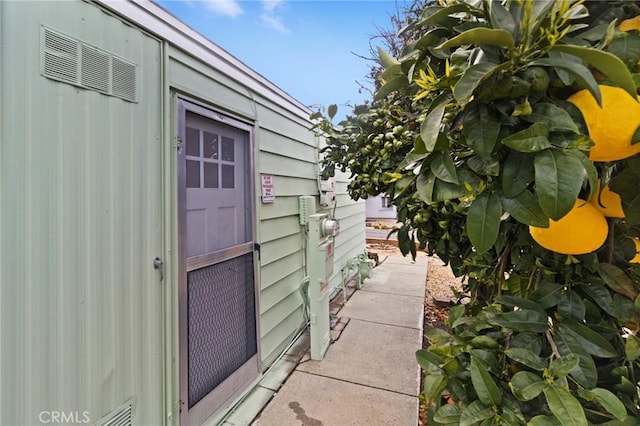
[72, 61]
[95, 69]
[121, 416]
[124, 79]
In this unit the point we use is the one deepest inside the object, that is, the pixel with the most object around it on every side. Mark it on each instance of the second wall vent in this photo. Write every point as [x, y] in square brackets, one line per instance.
[72, 61]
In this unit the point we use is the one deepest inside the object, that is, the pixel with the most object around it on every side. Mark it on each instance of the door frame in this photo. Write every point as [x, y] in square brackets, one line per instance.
[236, 384]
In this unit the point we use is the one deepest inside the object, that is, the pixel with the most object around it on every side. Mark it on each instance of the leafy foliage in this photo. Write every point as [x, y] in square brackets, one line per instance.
[471, 136]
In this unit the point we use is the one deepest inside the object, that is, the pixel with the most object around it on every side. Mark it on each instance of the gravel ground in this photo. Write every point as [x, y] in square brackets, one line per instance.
[439, 292]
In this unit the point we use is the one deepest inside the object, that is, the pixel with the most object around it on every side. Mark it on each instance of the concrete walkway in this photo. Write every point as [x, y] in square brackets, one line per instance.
[369, 375]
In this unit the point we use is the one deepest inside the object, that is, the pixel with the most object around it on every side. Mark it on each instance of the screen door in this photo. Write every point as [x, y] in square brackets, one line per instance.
[218, 315]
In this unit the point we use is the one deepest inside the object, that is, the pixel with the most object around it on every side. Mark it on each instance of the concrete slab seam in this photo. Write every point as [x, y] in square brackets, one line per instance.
[419, 328]
[358, 384]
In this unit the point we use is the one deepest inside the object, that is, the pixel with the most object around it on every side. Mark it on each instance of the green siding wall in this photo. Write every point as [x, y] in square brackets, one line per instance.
[80, 183]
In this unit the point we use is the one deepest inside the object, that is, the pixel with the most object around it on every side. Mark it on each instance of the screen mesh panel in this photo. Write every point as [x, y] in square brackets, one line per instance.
[222, 323]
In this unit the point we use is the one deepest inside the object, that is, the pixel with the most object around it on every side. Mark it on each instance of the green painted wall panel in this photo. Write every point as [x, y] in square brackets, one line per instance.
[275, 250]
[281, 227]
[281, 290]
[283, 206]
[278, 120]
[189, 76]
[276, 341]
[290, 167]
[80, 183]
[287, 186]
[286, 147]
[274, 272]
[271, 319]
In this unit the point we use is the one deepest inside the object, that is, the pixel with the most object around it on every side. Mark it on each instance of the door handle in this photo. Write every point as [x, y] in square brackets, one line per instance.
[159, 265]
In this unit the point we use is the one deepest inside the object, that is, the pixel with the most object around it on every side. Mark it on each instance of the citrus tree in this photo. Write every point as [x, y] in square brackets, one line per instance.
[506, 134]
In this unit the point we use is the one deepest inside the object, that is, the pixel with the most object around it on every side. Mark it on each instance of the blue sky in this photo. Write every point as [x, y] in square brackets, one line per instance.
[306, 47]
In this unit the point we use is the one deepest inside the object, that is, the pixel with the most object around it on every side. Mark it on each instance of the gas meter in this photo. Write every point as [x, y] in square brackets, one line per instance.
[322, 230]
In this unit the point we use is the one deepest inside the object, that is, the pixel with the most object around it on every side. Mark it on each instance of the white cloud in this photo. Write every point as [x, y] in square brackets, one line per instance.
[270, 18]
[271, 5]
[274, 22]
[224, 7]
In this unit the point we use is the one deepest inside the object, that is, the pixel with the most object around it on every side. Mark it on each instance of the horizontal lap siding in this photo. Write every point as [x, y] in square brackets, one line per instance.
[288, 153]
[287, 150]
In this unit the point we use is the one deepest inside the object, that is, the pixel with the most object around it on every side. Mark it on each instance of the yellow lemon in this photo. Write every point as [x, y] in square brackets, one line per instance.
[636, 259]
[582, 230]
[611, 127]
[630, 24]
[608, 202]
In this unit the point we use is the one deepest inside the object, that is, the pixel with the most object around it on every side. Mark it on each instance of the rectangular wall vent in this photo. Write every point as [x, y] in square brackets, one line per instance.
[121, 416]
[72, 61]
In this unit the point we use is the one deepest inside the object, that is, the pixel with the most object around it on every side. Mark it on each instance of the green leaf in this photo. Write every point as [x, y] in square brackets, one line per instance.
[526, 385]
[625, 309]
[544, 421]
[433, 386]
[425, 186]
[501, 18]
[484, 342]
[475, 413]
[530, 341]
[627, 48]
[585, 373]
[532, 139]
[527, 358]
[483, 384]
[480, 127]
[443, 168]
[547, 294]
[473, 76]
[601, 296]
[561, 367]
[483, 221]
[436, 15]
[430, 127]
[605, 62]
[489, 166]
[607, 399]
[391, 72]
[385, 59]
[632, 347]
[517, 173]
[523, 320]
[553, 117]
[448, 414]
[571, 305]
[580, 73]
[565, 406]
[520, 302]
[558, 178]
[589, 167]
[526, 209]
[429, 361]
[393, 85]
[332, 110]
[481, 36]
[618, 281]
[448, 191]
[590, 340]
